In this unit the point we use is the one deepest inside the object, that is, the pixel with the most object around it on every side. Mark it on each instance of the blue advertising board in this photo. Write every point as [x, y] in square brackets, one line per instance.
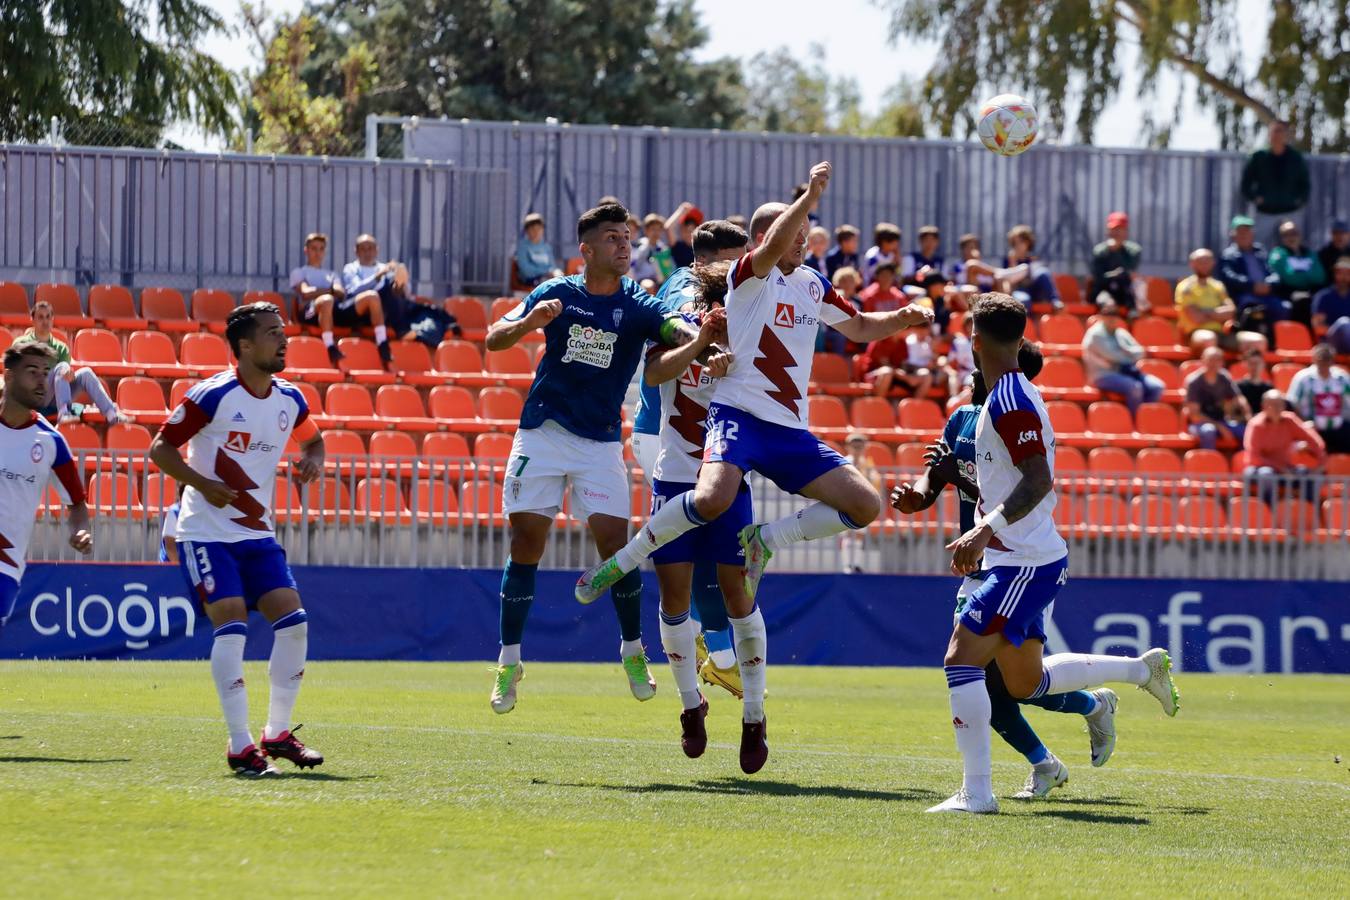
[145, 612]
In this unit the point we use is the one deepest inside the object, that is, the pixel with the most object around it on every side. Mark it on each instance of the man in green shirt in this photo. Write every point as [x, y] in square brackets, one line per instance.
[64, 379]
[1115, 265]
[1276, 181]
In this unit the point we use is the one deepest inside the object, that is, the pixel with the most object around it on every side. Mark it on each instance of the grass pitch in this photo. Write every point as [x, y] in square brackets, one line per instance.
[113, 782]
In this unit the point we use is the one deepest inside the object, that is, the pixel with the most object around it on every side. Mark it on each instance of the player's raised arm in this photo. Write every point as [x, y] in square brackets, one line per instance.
[786, 230]
[508, 330]
[867, 327]
[666, 363]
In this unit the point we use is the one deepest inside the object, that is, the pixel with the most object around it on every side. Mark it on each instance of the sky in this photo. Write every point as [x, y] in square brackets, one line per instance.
[855, 42]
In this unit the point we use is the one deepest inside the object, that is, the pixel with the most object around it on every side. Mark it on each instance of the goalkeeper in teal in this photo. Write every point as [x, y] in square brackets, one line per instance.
[952, 461]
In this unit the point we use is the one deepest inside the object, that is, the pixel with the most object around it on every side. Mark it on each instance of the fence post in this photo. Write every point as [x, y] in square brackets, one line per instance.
[372, 136]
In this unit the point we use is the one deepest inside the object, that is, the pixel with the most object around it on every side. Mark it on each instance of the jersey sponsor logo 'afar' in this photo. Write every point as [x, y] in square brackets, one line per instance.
[785, 315]
[238, 441]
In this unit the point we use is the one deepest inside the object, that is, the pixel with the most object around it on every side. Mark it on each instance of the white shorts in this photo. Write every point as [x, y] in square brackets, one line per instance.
[546, 459]
[646, 447]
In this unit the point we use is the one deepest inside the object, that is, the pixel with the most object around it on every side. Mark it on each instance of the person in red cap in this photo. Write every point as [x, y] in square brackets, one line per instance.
[1115, 264]
[680, 231]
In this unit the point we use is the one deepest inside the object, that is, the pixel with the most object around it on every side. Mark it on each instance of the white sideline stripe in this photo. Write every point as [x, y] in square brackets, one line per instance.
[646, 742]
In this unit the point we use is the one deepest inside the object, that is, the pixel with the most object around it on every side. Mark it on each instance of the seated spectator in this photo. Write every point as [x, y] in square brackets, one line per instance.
[1115, 267]
[1299, 270]
[376, 290]
[1274, 437]
[928, 256]
[973, 271]
[852, 543]
[941, 295]
[846, 282]
[63, 380]
[885, 248]
[1111, 356]
[651, 261]
[1321, 394]
[1214, 406]
[680, 230]
[1331, 308]
[1338, 246]
[817, 247]
[886, 362]
[1246, 275]
[883, 294]
[845, 252]
[1203, 306]
[1256, 382]
[855, 451]
[959, 363]
[324, 301]
[535, 262]
[1037, 285]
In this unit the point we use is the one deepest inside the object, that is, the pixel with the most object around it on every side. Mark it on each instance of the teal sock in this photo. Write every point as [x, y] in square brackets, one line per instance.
[516, 597]
[1079, 702]
[627, 597]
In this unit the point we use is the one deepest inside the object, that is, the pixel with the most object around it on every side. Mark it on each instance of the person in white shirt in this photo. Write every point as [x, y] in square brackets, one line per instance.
[325, 302]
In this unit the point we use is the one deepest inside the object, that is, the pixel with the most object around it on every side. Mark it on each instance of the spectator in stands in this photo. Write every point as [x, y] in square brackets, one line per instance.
[927, 256]
[960, 360]
[846, 282]
[852, 546]
[1037, 285]
[1321, 394]
[883, 294]
[845, 252]
[680, 230]
[1331, 308]
[972, 270]
[535, 262]
[652, 261]
[1338, 246]
[941, 295]
[817, 248]
[739, 221]
[1246, 275]
[886, 362]
[323, 300]
[1299, 271]
[63, 380]
[1115, 266]
[885, 248]
[1275, 180]
[1111, 355]
[1204, 308]
[1274, 438]
[1256, 382]
[1214, 406]
[371, 286]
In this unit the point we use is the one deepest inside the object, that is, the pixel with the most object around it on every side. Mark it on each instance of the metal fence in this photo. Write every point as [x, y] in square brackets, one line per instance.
[396, 511]
[188, 220]
[1177, 200]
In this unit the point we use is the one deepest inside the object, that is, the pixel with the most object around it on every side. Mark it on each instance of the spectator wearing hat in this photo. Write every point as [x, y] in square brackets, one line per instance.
[1111, 356]
[927, 256]
[680, 230]
[1275, 180]
[1321, 394]
[845, 252]
[883, 294]
[885, 248]
[817, 248]
[1214, 406]
[1037, 285]
[652, 262]
[535, 261]
[1331, 307]
[1299, 270]
[1336, 247]
[1245, 273]
[1115, 263]
[1273, 441]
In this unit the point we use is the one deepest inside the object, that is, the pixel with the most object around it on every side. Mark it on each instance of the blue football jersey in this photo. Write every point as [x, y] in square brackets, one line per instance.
[591, 351]
[676, 291]
[959, 436]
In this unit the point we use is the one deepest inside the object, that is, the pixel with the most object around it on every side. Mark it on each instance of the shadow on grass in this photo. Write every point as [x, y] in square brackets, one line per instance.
[59, 759]
[283, 775]
[1083, 815]
[747, 787]
[1119, 803]
[11, 737]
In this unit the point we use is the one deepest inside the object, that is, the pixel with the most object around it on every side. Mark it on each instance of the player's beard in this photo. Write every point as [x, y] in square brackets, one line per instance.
[33, 399]
[272, 365]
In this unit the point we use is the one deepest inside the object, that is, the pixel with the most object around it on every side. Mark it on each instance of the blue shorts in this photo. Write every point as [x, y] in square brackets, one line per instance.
[250, 569]
[791, 458]
[1012, 600]
[9, 595]
[719, 541]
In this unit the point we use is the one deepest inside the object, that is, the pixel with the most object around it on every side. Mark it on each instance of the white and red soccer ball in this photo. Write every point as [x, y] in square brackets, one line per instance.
[1007, 124]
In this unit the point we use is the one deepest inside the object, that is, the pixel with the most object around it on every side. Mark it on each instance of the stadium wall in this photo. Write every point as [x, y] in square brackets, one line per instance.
[143, 612]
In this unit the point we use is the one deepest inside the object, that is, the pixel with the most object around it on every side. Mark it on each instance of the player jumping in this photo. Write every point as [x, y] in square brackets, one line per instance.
[952, 461]
[236, 425]
[758, 422]
[32, 454]
[595, 327]
[1025, 560]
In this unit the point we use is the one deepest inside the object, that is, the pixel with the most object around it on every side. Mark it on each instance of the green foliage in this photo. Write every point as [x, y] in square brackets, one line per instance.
[110, 70]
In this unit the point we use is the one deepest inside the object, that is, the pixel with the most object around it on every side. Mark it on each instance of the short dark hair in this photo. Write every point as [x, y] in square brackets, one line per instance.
[885, 231]
[242, 322]
[605, 213]
[711, 279]
[608, 200]
[716, 235]
[1030, 360]
[999, 317]
[20, 349]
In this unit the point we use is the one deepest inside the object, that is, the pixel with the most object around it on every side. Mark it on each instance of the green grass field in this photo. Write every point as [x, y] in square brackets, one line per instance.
[112, 782]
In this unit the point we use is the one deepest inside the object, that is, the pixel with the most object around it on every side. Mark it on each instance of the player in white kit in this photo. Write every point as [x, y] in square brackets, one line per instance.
[236, 425]
[758, 421]
[32, 455]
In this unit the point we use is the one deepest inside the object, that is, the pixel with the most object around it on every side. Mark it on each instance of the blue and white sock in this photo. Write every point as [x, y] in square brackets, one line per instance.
[227, 671]
[752, 653]
[675, 517]
[811, 523]
[677, 639]
[286, 670]
[970, 721]
[1064, 672]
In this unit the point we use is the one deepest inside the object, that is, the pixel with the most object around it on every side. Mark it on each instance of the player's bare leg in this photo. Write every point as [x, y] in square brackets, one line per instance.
[323, 311]
[610, 533]
[678, 639]
[529, 537]
[752, 653]
[229, 623]
[368, 304]
[286, 672]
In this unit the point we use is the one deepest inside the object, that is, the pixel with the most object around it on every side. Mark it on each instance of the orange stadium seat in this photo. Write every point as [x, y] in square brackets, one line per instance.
[1070, 288]
[482, 501]
[1106, 511]
[445, 449]
[1161, 424]
[831, 368]
[286, 504]
[875, 415]
[1189, 367]
[922, 416]
[1164, 370]
[828, 418]
[1070, 459]
[453, 407]
[210, 308]
[1068, 421]
[880, 455]
[6, 341]
[160, 492]
[350, 404]
[14, 305]
[1160, 337]
[314, 401]
[344, 451]
[114, 494]
[143, 399]
[166, 311]
[113, 306]
[401, 406]
[1282, 375]
[1153, 515]
[1110, 421]
[910, 456]
[1297, 516]
[330, 498]
[362, 362]
[1159, 291]
[501, 407]
[1250, 517]
[1205, 462]
[490, 452]
[1110, 461]
[1062, 330]
[178, 390]
[206, 354]
[381, 499]
[1292, 336]
[393, 451]
[1201, 516]
[1158, 461]
[100, 349]
[1336, 515]
[83, 441]
[412, 361]
[282, 303]
[510, 366]
[1062, 378]
[471, 315]
[130, 441]
[435, 502]
[459, 357]
[66, 307]
[306, 359]
[153, 353]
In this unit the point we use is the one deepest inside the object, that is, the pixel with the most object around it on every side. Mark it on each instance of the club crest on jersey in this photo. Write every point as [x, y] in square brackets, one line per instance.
[36, 453]
[238, 441]
[785, 315]
[283, 420]
[618, 317]
[814, 289]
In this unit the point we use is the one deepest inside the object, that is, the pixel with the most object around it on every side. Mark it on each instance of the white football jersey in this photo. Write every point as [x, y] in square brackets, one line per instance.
[1013, 426]
[772, 325]
[237, 438]
[31, 457]
[684, 423]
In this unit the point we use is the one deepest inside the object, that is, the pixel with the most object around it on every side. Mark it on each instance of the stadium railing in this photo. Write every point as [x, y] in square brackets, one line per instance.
[414, 511]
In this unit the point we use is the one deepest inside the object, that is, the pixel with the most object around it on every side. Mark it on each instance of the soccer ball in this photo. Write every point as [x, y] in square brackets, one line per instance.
[1007, 124]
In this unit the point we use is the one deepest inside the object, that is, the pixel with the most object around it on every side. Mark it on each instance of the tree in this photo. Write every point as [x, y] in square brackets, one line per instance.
[1065, 54]
[110, 69]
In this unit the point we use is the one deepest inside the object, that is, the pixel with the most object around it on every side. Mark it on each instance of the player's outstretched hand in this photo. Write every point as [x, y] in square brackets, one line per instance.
[905, 498]
[820, 178]
[545, 311]
[713, 328]
[941, 461]
[968, 549]
[719, 364]
[304, 470]
[218, 493]
[82, 540]
[915, 314]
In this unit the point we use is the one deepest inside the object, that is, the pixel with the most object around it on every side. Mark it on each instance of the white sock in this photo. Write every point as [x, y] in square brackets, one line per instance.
[1049, 764]
[677, 639]
[807, 524]
[674, 518]
[723, 659]
[752, 653]
[970, 721]
[381, 335]
[1066, 672]
[227, 670]
[510, 655]
[630, 648]
[286, 670]
[328, 338]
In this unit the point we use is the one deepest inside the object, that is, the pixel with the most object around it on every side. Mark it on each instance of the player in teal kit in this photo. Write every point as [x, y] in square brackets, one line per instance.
[952, 462]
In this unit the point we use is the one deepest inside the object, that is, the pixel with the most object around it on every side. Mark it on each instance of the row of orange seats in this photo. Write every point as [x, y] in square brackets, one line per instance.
[1202, 517]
